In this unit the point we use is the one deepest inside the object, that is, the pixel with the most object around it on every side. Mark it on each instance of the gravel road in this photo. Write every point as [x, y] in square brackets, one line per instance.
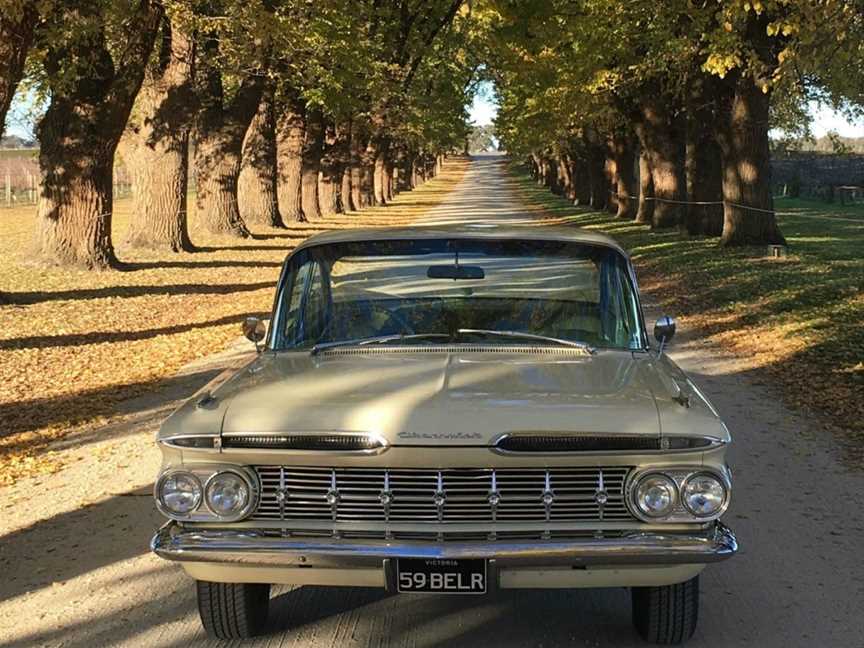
[76, 570]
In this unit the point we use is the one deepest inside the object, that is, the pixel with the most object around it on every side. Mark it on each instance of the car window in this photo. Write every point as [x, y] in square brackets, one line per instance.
[364, 289]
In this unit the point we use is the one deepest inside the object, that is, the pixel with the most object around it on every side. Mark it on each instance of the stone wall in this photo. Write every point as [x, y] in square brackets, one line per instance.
[815, 175]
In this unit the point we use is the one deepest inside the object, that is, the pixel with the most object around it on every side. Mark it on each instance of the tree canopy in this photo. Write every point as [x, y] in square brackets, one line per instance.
[295, 110]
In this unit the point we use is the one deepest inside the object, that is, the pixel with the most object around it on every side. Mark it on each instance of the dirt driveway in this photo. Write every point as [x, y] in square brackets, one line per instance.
[76, 570]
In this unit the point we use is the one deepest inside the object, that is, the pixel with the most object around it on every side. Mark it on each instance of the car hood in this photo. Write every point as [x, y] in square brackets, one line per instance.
[450, 398]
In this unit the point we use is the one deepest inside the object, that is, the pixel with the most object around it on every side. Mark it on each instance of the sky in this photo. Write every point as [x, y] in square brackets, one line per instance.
[483, 109]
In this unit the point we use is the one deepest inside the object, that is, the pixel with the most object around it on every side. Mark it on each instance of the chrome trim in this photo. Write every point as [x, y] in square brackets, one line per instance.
[574, 344]
[251, 479]
[713, 443]
[170, 441]
[381, 448]
[423, 495]
[723, 506]
[246, 547]
[670, 483]
[204, 473]
[679, 475]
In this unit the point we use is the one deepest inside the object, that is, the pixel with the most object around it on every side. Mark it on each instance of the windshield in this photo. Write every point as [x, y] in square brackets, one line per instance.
[435, 291]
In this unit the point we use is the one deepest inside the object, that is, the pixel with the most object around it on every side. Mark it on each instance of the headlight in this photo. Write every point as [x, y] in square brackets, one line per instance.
[655, 495]
[228, 495]
[179, 493]
[703, 495]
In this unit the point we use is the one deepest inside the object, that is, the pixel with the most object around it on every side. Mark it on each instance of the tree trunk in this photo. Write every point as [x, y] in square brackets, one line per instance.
[599, 189]
[16, 36]
[537, 168]
[360, 198]
[387, 178]
[257, 185]
[703, 169]
[330, 177]
[565, 167]
[379, 174]
[155, 147]
[748, 210]
[80, 132]
[313, 147]
[355, 165]
[366, 180]
[221, 129]
[217, 160]
[551, 173]
[406, 170]
[160, 177]
[645, 213]
[290, 133]
[75, 209]
[610, 173]
[345, 192]
[378, 179]
[624, 152]
[416, 171]
[661, 135]
[579, 178]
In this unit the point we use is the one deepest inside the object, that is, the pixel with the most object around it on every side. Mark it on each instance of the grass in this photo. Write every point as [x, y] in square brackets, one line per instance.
[74, 345]
[13, 154]
[797, 319]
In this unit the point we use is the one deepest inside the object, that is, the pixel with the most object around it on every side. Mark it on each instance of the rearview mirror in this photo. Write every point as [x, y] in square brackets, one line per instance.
[254, 330]
[664, 331]
[455, 272]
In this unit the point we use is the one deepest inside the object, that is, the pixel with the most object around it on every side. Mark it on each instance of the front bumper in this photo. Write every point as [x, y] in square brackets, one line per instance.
[252, 548]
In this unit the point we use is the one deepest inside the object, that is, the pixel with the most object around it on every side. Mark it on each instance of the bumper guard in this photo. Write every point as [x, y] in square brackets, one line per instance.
[250, 547]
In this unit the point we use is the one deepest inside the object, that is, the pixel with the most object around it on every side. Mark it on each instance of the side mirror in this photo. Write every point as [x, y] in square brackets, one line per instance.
[254, 330]
[664, 331]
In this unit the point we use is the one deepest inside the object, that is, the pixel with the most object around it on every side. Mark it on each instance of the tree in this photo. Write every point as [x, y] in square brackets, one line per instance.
[715, 64]
[92, 92]
[313, 149]
[482, 138]
[290, 134]
[156, 145]
[220, 130]
[18, 19]
[257, 187]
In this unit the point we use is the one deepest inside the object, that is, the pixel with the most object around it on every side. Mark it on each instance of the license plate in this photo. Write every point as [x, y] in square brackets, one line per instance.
[439, 576]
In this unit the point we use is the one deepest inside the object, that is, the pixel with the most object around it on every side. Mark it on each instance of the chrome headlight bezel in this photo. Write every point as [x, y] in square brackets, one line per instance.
[723, 504]
[204, 473]
[679, 475]
[251, 500]
[674, 494]
[160, 501]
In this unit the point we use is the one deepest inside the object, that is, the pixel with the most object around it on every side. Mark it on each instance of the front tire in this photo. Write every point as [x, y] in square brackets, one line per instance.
[667, 614]
[233, 610]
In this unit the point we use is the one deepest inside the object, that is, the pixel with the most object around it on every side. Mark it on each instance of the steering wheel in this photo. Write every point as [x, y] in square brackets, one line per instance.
[402, 326]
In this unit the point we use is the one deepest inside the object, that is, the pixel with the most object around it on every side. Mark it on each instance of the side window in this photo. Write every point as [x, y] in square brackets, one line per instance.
[293, 303]
[313, 308]
[618, 325]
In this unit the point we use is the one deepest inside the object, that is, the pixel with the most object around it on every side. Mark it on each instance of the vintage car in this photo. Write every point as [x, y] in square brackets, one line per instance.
[449, 410]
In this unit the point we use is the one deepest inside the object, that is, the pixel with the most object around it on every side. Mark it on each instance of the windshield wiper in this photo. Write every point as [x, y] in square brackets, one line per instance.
[531, 336]
[378, 339]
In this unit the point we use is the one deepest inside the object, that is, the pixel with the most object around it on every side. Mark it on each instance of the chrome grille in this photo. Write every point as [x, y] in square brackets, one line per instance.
[454, 496]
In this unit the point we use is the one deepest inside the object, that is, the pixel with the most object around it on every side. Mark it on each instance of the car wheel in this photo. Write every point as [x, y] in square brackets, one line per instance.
[667, 614]
[233, 610]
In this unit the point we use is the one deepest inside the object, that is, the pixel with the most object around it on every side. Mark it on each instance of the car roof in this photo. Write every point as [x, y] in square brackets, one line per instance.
[468, 230]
